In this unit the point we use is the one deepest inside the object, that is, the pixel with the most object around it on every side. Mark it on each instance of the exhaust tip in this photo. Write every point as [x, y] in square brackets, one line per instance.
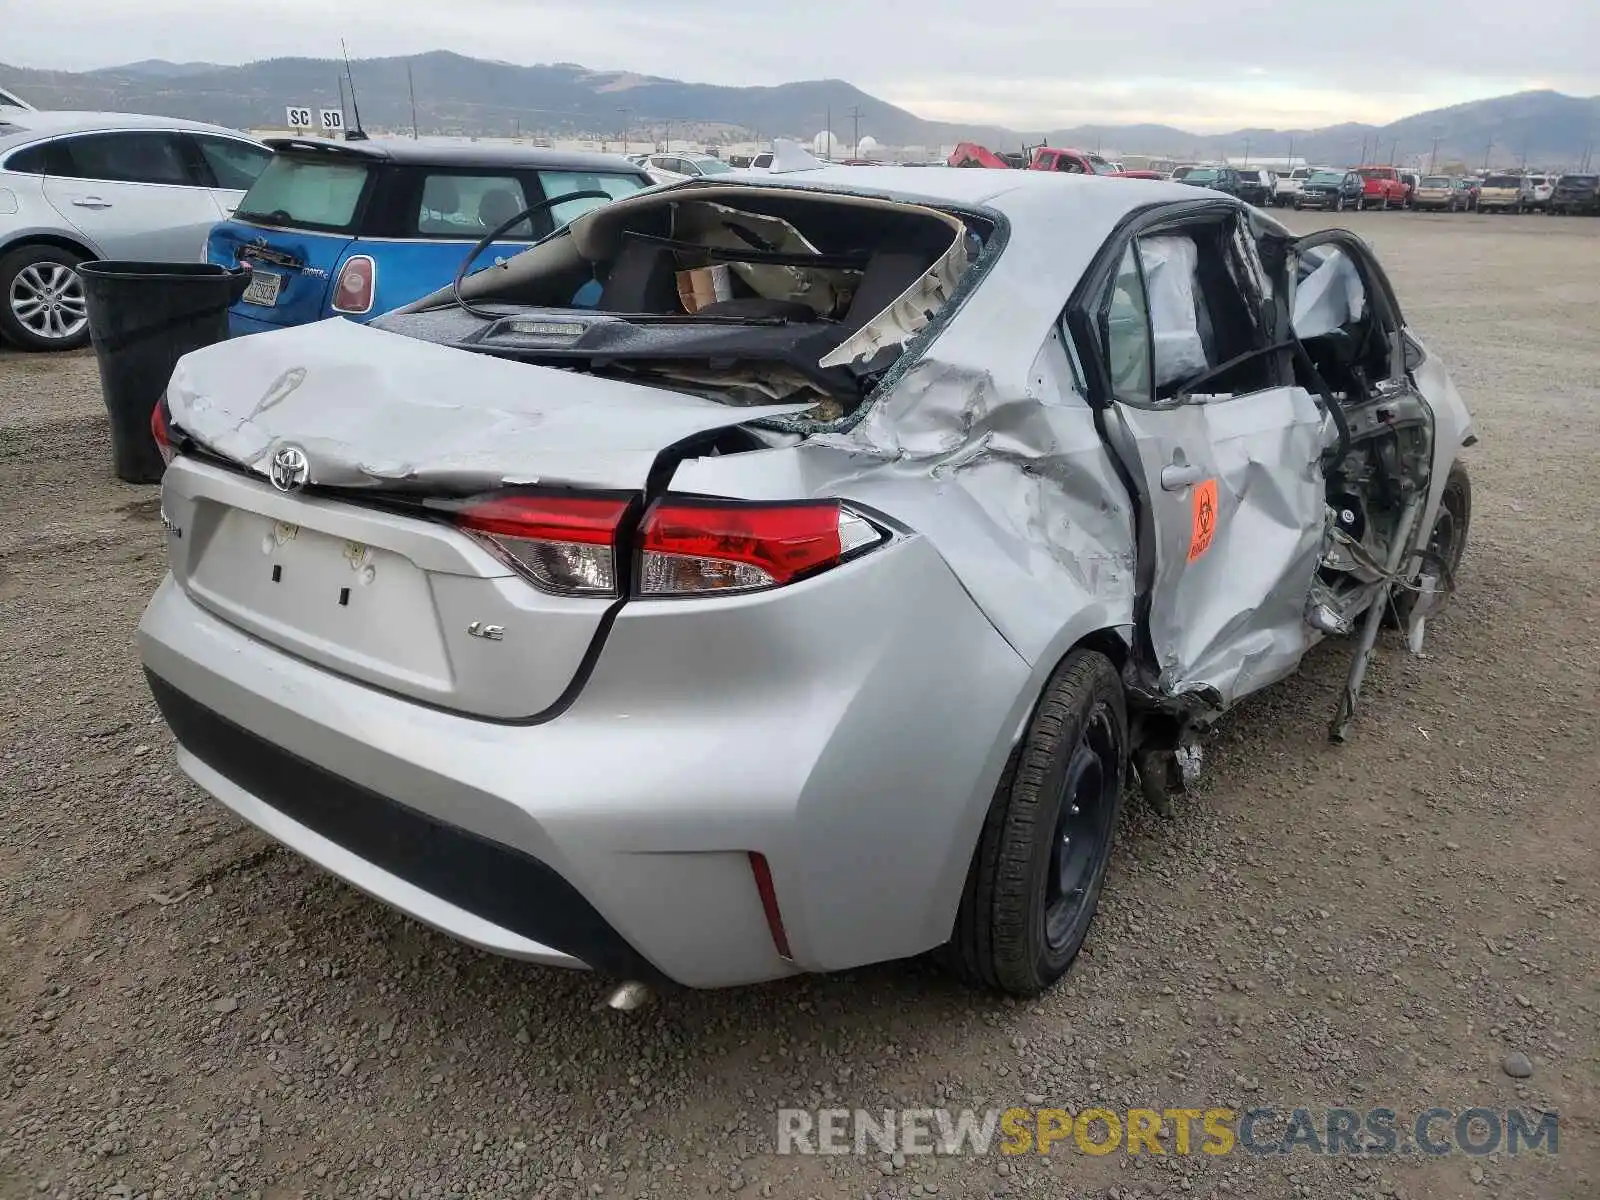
[630, 996]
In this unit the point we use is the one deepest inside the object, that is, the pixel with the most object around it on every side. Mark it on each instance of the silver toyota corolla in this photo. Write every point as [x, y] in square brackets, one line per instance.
[787, 574]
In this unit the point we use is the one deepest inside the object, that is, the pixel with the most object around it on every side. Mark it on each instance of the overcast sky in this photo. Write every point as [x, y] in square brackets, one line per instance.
[1205, 65]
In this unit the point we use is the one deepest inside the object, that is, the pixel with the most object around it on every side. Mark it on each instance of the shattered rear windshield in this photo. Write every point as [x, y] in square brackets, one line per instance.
[743, 296]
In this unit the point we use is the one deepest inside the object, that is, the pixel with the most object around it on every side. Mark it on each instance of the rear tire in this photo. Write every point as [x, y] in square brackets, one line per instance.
[1041, 858]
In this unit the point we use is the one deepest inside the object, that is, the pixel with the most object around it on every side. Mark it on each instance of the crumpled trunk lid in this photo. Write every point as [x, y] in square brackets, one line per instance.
[375, 409]
[389, 593]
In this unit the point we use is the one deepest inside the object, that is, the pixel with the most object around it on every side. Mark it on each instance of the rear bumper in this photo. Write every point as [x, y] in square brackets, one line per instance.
[855, 744]
[487, 893]
[240, 324]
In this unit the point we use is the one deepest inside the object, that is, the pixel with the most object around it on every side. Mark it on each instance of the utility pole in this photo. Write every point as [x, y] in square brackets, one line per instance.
[1394, 150]
[1291, 152]
[667, 149]
[1247, 152]
[855, 130]
[1486, 151]
[1433, 158]
[624, 112]
[412, 88]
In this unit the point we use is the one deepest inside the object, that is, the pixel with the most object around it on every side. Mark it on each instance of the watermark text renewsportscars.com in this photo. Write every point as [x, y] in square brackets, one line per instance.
[1175, 1131]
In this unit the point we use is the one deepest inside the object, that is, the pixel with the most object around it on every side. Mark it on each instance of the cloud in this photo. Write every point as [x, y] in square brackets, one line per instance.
[1200, 64]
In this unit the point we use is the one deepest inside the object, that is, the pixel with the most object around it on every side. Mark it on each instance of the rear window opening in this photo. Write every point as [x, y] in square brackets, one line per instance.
[307, 192]
[743, 296]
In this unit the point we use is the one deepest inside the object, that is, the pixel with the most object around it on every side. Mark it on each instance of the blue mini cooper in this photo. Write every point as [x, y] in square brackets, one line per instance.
[357, 228]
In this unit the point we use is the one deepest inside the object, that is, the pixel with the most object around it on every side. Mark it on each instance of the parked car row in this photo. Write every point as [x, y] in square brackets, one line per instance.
[348, 228]
[1385, 187]
[83, 186]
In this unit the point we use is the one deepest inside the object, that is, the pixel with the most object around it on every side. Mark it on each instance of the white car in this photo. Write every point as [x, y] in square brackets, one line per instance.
[1544, 187]
[77, 186]
[672, 168]
[1291, 184]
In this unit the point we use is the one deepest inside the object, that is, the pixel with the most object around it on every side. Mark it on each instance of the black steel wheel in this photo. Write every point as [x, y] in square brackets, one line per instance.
[1086, 813]
[1036, 874]
[1447, 542]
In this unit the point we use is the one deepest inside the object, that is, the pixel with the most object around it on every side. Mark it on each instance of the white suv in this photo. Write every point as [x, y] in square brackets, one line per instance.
[79, 186]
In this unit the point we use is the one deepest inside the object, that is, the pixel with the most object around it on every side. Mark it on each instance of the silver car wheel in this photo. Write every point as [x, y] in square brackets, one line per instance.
[47, 299]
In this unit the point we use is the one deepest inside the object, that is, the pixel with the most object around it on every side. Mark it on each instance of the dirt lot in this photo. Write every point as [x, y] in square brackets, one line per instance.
[187, 1011]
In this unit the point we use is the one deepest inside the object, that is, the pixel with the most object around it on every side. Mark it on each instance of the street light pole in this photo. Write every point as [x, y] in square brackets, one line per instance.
[624, 112]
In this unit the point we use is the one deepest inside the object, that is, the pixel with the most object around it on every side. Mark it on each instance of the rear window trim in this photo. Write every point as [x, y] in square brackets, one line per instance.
[351, 228]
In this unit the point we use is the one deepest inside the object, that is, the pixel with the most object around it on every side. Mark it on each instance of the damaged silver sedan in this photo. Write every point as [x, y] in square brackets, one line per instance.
[789, 574]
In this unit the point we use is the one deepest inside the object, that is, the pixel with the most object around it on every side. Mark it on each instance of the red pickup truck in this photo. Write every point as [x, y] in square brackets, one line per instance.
[1382, 187]
[1044, 158]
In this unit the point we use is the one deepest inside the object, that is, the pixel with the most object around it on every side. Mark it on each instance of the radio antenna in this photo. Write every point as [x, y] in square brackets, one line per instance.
[355, 106]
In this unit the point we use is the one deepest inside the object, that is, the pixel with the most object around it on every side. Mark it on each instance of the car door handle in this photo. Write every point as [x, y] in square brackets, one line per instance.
[91, 202]
[1176, 476]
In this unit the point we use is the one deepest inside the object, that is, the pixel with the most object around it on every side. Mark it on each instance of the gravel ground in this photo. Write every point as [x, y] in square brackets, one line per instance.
[186, 1010]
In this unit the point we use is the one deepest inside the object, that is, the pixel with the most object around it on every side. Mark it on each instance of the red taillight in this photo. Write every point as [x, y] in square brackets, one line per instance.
[769, 903]
[160, 431]
[561, 544]
[691, 547]
[354, 288]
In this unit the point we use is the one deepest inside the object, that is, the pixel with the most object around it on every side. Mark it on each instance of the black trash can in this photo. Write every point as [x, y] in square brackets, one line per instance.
[144, 317]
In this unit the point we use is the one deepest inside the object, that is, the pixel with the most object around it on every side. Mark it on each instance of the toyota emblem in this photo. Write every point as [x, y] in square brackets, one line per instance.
[289, 469]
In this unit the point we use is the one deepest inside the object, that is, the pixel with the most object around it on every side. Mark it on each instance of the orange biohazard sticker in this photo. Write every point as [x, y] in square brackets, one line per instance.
[1205, 519]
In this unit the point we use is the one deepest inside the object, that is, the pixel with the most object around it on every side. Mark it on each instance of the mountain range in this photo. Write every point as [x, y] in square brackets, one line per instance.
[460, 95]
